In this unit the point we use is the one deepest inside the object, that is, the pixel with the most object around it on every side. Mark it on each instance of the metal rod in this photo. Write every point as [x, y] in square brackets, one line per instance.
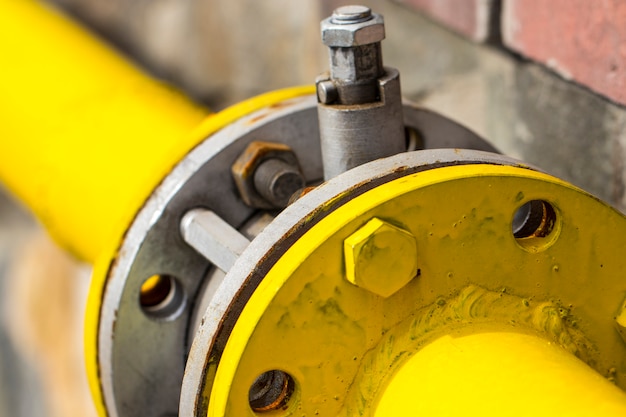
[212, 237]
[359, 101]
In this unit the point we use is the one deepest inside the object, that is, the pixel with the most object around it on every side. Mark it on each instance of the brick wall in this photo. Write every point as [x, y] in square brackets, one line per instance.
[471, 18]
[581, 40]
[563, 107]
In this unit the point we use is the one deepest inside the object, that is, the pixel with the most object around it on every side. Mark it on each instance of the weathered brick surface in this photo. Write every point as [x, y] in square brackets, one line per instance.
[582, 40]
[470, 18]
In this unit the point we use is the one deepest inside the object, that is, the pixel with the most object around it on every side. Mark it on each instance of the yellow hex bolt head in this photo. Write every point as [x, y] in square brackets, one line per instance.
[380, 257]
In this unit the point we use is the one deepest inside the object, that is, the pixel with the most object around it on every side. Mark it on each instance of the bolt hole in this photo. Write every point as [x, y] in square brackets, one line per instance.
[162, 297]
[271, 391]
[534, 219]
[414, 139]
[533, 223]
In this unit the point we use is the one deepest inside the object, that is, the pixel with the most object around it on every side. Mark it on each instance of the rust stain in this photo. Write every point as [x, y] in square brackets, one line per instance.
[400, 169]
[268, 111]
[280, 104]
[254, 154]
[256, 119]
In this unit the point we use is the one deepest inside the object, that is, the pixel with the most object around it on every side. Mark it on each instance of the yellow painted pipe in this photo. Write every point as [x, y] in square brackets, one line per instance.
[498, 374]
[85, 135]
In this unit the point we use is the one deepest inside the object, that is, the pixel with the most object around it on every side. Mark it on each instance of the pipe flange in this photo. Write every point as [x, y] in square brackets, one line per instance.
[293, 306]
[141, 348]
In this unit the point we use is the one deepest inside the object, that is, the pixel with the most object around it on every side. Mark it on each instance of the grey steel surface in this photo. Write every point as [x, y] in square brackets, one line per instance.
[219, 242]
[342, 31]
[360, 102]
[353, 35]
[353, 135]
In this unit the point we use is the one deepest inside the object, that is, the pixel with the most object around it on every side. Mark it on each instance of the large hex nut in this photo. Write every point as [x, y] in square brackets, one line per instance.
[362, 33]
[245, 167]
[380, 257]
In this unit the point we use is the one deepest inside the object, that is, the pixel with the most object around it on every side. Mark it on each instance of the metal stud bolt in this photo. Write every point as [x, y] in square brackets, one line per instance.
[277, 180]
[267, 174]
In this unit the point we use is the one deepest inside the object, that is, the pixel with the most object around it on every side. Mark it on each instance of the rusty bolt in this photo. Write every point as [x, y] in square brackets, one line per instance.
[380, 257]
[267, 174]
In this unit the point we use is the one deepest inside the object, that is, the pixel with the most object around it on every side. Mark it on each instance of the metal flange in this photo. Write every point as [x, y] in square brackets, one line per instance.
[153, 292]
[287, 306]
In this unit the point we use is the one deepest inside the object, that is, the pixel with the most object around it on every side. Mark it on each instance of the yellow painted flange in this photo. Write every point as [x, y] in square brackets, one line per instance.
[564, 284]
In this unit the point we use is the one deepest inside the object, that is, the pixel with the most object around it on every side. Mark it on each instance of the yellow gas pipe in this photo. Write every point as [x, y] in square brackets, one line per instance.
[498, 374]
[85, 136]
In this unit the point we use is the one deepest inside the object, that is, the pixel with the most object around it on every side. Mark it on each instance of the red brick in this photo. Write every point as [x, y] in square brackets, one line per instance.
[467, 17]
[583, 40]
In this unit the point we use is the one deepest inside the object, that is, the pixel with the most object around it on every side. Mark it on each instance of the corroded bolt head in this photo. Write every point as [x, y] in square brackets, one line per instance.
[267, 174]
[340, 31]
[380, 257]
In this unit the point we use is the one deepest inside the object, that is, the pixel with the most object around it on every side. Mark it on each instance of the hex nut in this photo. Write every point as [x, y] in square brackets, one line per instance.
[244, 168]
[380, 257]
[356, 34]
